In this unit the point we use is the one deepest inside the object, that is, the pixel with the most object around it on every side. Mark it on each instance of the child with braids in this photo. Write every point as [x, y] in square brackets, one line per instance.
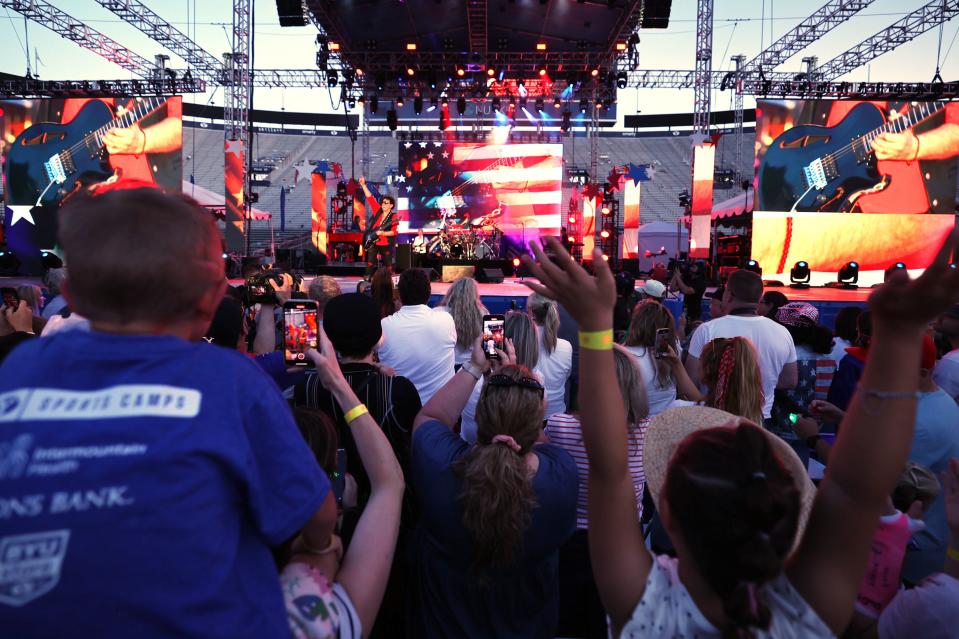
[760, 554]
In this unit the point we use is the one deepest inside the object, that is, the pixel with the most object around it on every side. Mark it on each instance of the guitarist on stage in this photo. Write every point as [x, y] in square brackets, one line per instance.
[386, 223]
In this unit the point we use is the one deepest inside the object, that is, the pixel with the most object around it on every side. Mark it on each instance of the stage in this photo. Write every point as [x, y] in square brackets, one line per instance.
[499, 297]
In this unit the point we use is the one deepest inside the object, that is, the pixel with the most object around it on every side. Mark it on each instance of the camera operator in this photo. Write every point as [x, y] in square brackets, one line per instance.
[691, 282]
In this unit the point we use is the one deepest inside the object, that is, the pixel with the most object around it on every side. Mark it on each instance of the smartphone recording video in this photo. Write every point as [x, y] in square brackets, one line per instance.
[662, 343]
[300, 331]
[493, 326]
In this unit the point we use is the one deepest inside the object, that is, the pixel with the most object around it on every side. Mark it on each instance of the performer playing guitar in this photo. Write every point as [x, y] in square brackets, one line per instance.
[385, 222]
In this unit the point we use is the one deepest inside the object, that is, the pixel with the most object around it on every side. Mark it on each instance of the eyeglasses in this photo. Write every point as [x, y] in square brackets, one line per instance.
[523, 382]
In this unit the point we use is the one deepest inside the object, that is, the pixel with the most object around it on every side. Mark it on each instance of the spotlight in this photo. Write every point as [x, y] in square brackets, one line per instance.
[50, 260]
[460, 71]
[594, 72]
[539, 104]
[391, 120]
[542, 71]
[604, 234]
[620, 46]
[848, 276]
[583, 104]
[599, 103]
[490, 71]
[572, 219]
[799, 275]
[360, 72]
[753, 265]
[461, 105]
[411, 46]
[444, 101]
[557, 103]
[410, 71]
[541, 46]
[605, 257]
[332, 78]
[374, 103]
[516, 262]
[566, 121]
[621, 80]
[496, 103]
[605, 210]
[898, 266]
[418, 104]
[512, 102]
[351, 104]
[399, 102]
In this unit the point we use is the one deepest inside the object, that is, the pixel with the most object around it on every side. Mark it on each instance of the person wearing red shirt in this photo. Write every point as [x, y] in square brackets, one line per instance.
[387, 223]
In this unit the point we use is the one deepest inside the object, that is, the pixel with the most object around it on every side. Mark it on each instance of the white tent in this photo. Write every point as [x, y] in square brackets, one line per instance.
[658, 235]
[735, 205]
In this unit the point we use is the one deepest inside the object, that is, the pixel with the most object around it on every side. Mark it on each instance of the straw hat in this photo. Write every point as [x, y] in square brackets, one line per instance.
[669, 428]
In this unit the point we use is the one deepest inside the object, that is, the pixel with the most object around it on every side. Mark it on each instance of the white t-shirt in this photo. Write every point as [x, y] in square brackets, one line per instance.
[660, 397]
[420, 344]
[774, 346]
[946, 374]
[554, 369]
[667, 610]
[929, 611]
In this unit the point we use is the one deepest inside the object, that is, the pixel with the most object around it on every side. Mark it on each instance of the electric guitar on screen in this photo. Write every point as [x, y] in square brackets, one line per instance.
[816, 168]
[49, 161]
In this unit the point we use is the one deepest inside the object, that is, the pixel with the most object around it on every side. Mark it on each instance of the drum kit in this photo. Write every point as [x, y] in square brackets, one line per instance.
[477, 239]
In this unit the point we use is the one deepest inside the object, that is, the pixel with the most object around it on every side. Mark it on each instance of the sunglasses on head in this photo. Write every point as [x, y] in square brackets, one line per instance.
[524, 382]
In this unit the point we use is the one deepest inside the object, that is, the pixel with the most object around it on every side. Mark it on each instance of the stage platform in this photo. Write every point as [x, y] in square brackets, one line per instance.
[499, 297]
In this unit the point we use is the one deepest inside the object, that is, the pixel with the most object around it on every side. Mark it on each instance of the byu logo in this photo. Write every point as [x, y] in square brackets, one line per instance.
[14, 456]
[30, 565]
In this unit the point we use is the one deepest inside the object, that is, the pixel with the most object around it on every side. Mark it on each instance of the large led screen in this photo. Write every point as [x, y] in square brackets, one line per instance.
[52, 149]
[840, 181]
[516, 187]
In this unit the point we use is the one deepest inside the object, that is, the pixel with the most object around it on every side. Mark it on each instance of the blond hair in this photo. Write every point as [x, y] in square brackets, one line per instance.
[462, 300]
[546, 314]
[520, 328]
[731, 373]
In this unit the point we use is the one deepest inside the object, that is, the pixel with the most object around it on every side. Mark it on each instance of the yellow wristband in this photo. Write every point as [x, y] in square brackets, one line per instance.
[953, 554]
[354, 413]
[597, 340]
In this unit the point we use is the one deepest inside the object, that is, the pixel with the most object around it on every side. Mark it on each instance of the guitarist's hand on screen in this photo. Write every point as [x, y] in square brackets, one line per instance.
[128, 141]
[901, 147]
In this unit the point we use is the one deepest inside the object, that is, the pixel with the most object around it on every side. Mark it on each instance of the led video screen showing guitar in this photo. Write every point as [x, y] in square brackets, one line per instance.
[52, 149]
[839, 181]
[514, 187]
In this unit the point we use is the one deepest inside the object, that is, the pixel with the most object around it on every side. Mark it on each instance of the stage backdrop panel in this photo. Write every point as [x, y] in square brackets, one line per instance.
[517, 186]
[823, 196]
[51, 148]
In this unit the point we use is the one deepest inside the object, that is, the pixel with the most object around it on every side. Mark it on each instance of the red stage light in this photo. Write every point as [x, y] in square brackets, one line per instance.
[572, 219]
[542, 71]
[572, 240]
[604, 234]
[594, 72]
[410, 71]
[516, 262]
[490, 71]
[605, 257]
[359, 71]
[605, 210]
[460, 71]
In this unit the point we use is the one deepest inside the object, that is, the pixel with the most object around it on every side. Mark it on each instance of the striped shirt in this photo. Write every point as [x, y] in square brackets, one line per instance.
[564, 431]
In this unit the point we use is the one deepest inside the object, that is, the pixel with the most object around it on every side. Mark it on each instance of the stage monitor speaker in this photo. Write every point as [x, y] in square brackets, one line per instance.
[430, 273]
[489, 275]
[290, 13]
[453, 272]
[404, 257]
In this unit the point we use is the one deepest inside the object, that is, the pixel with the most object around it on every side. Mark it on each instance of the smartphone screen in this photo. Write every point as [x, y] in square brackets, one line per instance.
[300, 331]
[493, 326]
[662, 342]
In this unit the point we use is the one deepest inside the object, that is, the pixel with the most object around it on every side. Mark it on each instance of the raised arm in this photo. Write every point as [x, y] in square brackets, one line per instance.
[366, 566]
[620, 560]
[873, 444]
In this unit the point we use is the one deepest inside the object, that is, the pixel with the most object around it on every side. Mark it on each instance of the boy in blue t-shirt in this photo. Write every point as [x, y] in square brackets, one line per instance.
[144, 475]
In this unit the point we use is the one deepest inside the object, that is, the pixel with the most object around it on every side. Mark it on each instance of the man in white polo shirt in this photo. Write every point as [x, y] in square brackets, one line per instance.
[419, 342]
[775, 348]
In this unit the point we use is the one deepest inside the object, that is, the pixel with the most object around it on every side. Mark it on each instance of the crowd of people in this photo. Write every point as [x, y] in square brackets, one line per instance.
[165, 472]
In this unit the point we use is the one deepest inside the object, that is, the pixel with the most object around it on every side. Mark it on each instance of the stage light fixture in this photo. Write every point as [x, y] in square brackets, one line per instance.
[411, 46]
[461, 105]
[565, 126]
[418, 104]
[332, 78]
[583, 105]
[799, 275]
[410, 71]
[541, 46]
[49, 260]
[753, 266]
[334, 46]
[542, 70]
[620, 46]
[444, 101]
[539, 104]
[621, 80]
[496, 103]
[374, 103]
[490, 71]
[599, 103]
[360, 72]
[605, 210]
[572, 240]
[391, 120]
[572, 219]
[460, 70]
[848, 276]
[605, 257]
[516, 262]
[604, 234]
[399, 102]
[351, 104]
[557, 103]
[594, 72]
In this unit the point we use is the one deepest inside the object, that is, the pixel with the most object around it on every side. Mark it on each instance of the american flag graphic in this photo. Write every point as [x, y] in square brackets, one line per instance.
[815, 376]
[519, 184]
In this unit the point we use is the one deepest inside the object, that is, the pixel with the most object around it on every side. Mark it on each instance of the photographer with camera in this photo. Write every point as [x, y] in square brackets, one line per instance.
[690, 280]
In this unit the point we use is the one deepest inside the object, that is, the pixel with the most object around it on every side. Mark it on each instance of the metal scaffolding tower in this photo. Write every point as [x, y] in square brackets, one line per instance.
[739, 60]
[702, 81]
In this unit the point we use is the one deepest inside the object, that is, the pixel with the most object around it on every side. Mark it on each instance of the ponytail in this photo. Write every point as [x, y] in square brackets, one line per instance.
[546, 314]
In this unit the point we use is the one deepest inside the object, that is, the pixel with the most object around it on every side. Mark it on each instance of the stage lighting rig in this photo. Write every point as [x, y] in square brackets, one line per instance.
[391, 120]
[461, 105]
[49, 260]
[496, 103]
[753, 266]
[557, 103]
[374, 103]
[622, 80]
[332, 78]
[399, 102]
[567, 123]
[799, 275]
[418, 104]
[583, 105]
[848, 276]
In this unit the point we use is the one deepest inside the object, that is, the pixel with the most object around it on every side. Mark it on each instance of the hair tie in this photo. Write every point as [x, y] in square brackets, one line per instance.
[726, 364]
[506, 440]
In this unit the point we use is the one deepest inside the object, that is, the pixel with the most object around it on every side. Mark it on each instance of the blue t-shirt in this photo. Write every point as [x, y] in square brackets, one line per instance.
[521, 600]
[142, 481]
[934, 442]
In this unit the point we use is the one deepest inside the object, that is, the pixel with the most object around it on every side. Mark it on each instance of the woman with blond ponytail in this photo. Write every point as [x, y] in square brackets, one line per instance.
[494, 514]
[731, 375]
[555, 355]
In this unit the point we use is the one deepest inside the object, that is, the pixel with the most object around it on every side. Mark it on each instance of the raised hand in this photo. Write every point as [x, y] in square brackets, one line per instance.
[590, 300]
[327, 366]
[902, 304]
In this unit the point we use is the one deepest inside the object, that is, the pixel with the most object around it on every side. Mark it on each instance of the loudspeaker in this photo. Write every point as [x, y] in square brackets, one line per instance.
[431, 273]
[453, 272]
[404, 257]
[290, 13]
[489, 275]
